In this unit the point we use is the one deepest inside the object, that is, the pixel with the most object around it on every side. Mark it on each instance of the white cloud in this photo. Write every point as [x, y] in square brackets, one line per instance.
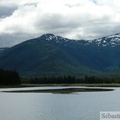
[73, 19]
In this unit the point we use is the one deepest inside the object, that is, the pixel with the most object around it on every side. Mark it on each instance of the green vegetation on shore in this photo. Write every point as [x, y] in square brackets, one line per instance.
[74, 80]
[8, 77]
[64, 85]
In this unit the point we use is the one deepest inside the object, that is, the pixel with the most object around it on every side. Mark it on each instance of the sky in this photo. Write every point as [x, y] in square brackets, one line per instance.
[21, 20]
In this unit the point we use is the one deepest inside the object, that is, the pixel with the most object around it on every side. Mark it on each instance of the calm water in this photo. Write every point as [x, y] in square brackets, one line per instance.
[48, 106]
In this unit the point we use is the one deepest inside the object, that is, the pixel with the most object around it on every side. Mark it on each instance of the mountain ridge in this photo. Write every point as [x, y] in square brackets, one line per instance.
[54, 55]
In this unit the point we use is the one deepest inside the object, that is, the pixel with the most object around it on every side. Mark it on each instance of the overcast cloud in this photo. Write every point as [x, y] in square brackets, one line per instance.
[77, 19]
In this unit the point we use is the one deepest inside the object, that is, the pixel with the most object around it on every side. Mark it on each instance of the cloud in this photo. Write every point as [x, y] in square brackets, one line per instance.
[8, 40]
[6, 11]
[79, 19]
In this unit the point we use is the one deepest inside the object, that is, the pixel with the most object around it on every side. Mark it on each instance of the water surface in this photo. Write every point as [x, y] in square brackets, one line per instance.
[48, 106]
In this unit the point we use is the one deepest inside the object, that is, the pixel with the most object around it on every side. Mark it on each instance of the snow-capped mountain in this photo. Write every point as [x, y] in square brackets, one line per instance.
[54, 55]
[50, 37]
[55, 39]
[111, 40]
[62, 41]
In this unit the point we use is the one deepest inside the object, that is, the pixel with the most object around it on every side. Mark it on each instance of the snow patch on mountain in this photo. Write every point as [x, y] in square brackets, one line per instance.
[112, 40]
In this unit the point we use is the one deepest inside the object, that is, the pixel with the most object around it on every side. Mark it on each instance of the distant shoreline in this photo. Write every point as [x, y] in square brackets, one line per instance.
[58, 85]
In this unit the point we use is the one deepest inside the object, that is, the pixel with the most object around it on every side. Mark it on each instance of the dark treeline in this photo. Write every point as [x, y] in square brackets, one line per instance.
[73, 79]
[9, 77]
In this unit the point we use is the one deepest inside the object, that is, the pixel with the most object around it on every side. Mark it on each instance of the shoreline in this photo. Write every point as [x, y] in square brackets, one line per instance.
[58, 85]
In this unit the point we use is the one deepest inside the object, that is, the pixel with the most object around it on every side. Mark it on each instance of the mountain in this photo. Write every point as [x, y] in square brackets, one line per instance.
[111, 40]
[55, 55]
[41, 56]
[3, 49]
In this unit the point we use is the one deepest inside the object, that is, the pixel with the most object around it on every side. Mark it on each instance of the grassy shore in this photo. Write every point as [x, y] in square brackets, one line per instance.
[87, 85]
[47, 85]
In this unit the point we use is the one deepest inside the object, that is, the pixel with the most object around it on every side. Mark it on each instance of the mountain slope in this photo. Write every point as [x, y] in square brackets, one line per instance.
[55, 55]
[38, 57]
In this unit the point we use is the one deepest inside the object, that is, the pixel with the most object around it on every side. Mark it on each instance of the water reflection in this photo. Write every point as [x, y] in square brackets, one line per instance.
[61, 90]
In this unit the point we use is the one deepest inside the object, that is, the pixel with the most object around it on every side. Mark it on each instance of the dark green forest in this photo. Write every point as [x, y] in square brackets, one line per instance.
[8, 77]
[74, 80]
